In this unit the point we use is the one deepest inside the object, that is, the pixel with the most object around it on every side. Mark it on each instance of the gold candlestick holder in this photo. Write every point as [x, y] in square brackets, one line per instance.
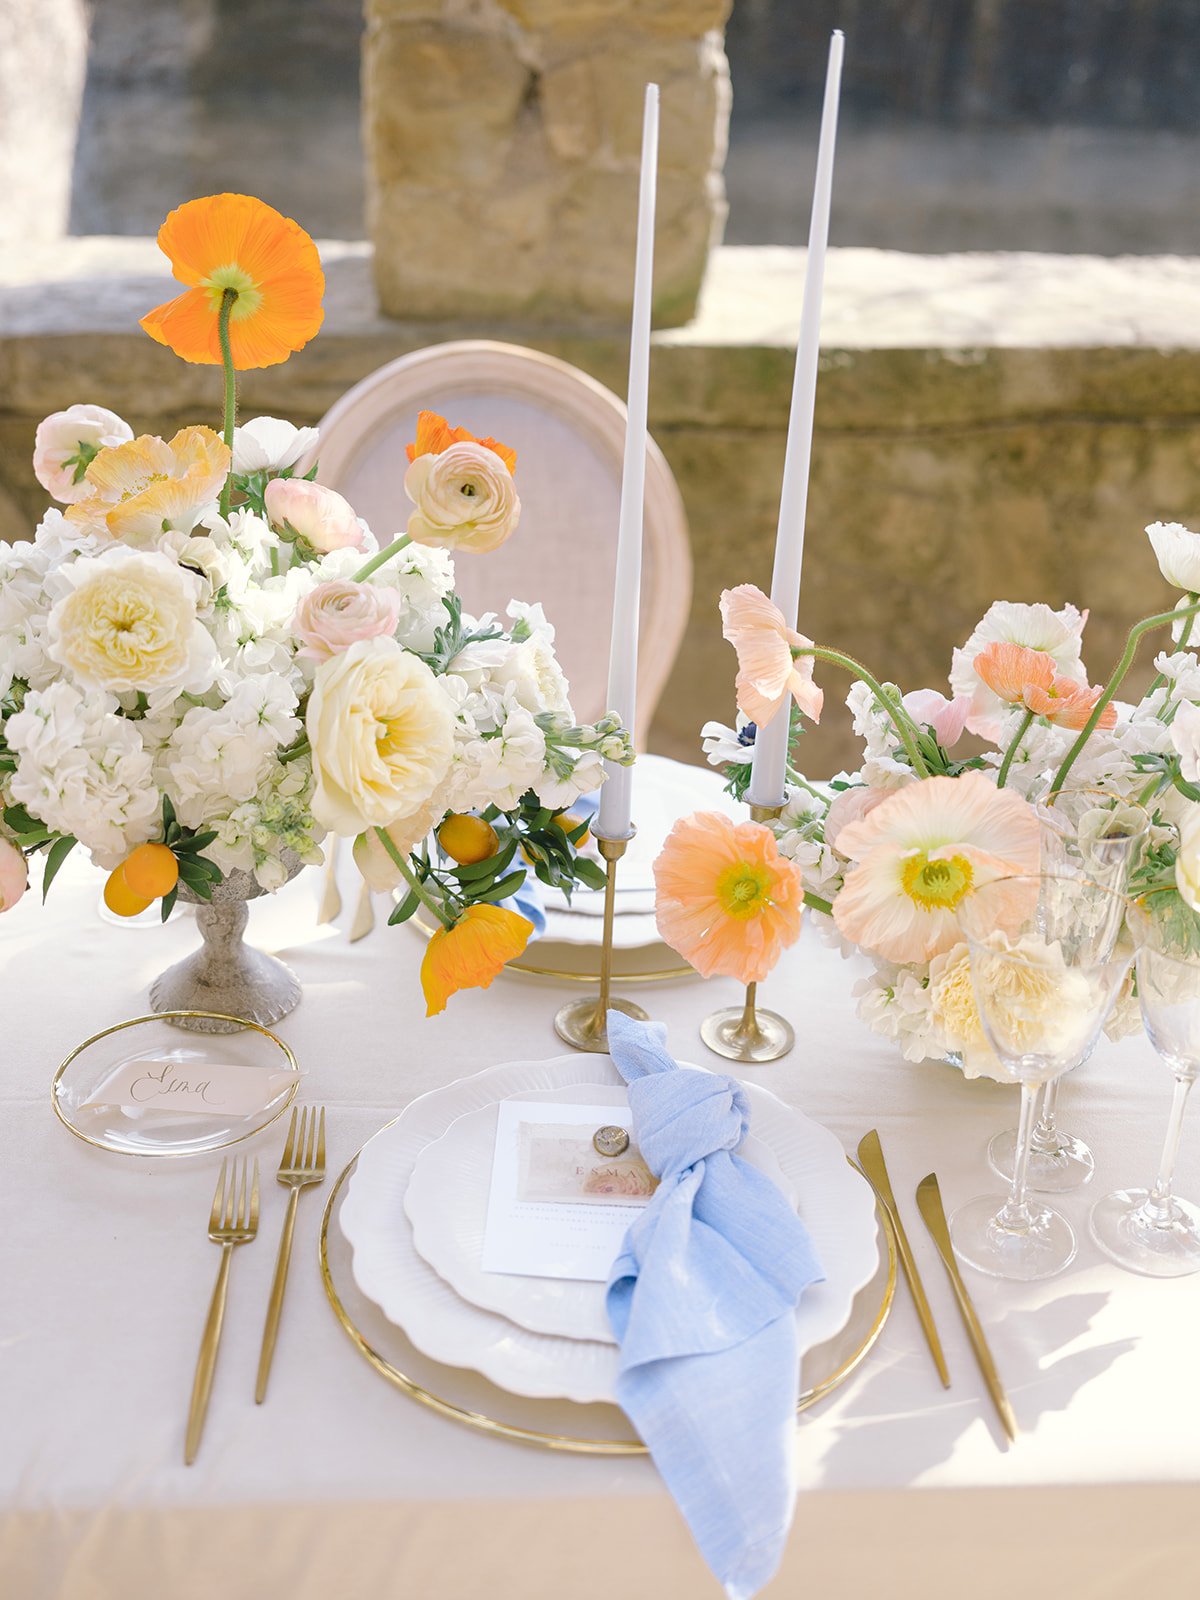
[744, 1033]
[584, 1023]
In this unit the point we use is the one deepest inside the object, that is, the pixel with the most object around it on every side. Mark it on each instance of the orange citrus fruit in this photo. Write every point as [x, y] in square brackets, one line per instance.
[119, 897]
[467, 839]
[567, 823]
[151, 871]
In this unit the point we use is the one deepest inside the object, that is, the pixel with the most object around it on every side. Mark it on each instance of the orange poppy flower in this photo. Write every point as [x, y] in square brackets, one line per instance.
[724, 896]
[232, 241]
[139, 488]
[1023, 677]
[434, 434]
[471, 953]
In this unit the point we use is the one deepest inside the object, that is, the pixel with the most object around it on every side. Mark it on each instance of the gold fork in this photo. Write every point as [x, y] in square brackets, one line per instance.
[232, 1221]
[302, 1163]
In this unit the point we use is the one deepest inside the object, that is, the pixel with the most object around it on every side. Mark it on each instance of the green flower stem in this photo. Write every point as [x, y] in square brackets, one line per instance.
[422, 895]
[1012, 749]
[815, 903]
[1180, 644]
[375, 562]
[904, 726]
[227, 300]
[1148, 791]
[1162, 620]
[296, 751]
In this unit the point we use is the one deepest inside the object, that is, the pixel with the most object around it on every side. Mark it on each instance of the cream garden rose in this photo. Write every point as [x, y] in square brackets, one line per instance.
[465, 499]
[381, 730]
[129, 622]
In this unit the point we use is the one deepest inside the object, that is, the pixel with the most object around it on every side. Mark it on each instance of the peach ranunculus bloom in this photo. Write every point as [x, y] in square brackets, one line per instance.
[1022, 677]
[464, 498]
[335, 615]
[141, 488]
[919, 852]
[724, 896]
[321, 516]
[767, 670]
[471, 953]
[234, 241]
[65, 444]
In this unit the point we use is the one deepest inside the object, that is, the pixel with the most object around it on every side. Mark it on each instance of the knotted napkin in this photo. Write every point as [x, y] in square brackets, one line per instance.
[702, 1300]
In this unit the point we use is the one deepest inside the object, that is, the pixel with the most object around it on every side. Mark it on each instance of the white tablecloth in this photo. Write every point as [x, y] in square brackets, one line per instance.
[340, 1487]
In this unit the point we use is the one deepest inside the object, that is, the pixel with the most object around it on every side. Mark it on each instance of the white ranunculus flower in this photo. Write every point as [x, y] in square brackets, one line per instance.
[1177, 550]
[128, 621]
[66, 442]
[465, 499]
[1187, 862]
[381, 729]
[269, 444]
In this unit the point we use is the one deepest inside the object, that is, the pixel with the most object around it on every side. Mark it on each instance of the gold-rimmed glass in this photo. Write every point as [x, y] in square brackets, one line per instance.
[1048, 958]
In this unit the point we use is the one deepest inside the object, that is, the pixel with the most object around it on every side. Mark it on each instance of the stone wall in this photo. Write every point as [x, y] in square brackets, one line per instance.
[43, 50]
[947, 471]
[503, 145]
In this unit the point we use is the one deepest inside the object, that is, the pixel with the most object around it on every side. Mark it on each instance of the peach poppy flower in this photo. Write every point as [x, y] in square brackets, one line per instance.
[920, 852]
[434, 435]
[724, 896]
[1020, 676]
[140, 488]
[471, 953]
[767, 670]
[232, 241]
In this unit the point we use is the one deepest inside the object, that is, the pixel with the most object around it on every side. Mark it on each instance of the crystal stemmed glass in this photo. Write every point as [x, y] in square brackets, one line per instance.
[1153, 1231]
[1085, 833]
[1047, 961]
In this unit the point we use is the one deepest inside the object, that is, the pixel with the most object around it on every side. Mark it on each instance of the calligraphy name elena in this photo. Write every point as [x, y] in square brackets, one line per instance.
[158, 1085]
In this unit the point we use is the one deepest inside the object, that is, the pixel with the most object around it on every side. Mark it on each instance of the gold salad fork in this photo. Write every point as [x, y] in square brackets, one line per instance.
[302, 1163]
[233, 1221]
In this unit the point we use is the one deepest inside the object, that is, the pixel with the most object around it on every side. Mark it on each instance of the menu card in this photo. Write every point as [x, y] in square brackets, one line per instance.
[557, 1207]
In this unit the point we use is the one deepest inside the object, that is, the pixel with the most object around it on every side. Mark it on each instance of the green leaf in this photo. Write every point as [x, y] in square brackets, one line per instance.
[588, 873]
[198, 841]
[496, 862]
[55, 856]
[19, 820]
[404, 910]
[168, 903]
[200, 886]
[501, 890]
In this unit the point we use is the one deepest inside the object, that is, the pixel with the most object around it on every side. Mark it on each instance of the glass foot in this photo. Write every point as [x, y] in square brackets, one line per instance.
[1043, 1246]
[1170, 1249]
[1050, 1172]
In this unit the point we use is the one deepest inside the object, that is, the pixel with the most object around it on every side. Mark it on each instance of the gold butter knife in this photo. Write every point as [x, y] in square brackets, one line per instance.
[870, 1156]
[929, 1203]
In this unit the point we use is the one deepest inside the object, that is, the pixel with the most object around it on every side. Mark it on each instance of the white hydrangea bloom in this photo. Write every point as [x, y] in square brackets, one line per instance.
[23, 607]
[83, 770]
[227, 754]
[894, 1001]
[799, 834]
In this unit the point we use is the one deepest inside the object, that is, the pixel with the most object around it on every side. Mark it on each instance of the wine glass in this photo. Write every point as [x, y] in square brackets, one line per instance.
[1085, 833]
[1047, 961]
[1153, 1231]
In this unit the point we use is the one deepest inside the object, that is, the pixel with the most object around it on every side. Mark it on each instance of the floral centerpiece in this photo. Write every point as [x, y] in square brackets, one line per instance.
[208, 663]
[887, 852]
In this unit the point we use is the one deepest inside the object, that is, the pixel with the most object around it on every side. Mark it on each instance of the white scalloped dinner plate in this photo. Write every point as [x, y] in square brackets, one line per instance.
[836, 1205]
[447, 1202]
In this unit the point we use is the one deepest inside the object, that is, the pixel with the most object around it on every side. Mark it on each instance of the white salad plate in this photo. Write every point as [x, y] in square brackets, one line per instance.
[447, 1204]
[835, 1203]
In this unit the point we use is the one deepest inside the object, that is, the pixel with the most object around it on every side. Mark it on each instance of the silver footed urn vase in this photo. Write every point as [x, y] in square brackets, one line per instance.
[225, 974]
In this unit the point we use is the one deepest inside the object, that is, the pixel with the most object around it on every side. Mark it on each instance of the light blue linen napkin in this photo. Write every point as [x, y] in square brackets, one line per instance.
[702, 1300]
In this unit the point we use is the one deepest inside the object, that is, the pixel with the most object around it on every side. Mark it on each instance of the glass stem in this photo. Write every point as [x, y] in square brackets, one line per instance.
[1013, 1215]
[1159, 1208]
[1045, 1133]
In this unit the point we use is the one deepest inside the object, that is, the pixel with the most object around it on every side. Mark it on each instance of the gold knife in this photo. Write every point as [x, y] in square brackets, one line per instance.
[870, 1155]
[929, 1203]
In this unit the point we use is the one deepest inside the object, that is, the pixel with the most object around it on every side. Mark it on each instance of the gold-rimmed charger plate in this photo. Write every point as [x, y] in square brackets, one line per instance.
[468, 1398]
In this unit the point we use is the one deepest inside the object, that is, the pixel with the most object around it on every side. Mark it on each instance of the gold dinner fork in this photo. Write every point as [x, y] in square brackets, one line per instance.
[232, 1221]
[302, 1163]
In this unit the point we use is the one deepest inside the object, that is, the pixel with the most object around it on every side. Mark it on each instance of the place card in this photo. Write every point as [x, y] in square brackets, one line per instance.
[557, 1208]
[204, 1088]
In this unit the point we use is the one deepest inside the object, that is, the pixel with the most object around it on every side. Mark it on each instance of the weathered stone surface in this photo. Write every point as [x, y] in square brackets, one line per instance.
[503, 151]
[43, 52]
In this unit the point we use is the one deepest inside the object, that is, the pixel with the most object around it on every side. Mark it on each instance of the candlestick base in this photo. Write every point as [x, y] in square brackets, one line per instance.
[743, 1033]
[584, 1025]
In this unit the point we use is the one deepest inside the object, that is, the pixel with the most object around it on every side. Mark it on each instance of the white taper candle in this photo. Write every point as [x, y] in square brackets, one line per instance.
[767, 781]
[615, 819]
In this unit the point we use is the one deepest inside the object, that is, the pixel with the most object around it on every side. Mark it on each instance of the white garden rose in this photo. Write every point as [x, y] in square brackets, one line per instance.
[381, 729]
[465, 499]
[1177, 550]
[1187, 862]
[128, 622]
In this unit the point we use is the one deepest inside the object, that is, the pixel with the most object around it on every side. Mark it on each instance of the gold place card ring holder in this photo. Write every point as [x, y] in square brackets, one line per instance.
[746, 1033]
[583, 1023]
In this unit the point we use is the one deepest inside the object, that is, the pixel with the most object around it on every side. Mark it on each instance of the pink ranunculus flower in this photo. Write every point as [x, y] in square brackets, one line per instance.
[66, 441]
[319, 515]
[14, 875]
[947, 718]
[335, 615]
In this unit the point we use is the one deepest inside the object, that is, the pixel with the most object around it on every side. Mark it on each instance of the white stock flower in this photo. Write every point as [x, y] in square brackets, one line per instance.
[1036, 627]
[128, 621]
[1177, 550]
[894, 1002]
[228, 753]
[527, 672]
[84, 770]
[56, 448]
[584, 778]
[22, 617]
[269, 444]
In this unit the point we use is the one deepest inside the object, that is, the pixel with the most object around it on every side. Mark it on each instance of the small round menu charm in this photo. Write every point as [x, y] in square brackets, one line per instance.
[610, 1141]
